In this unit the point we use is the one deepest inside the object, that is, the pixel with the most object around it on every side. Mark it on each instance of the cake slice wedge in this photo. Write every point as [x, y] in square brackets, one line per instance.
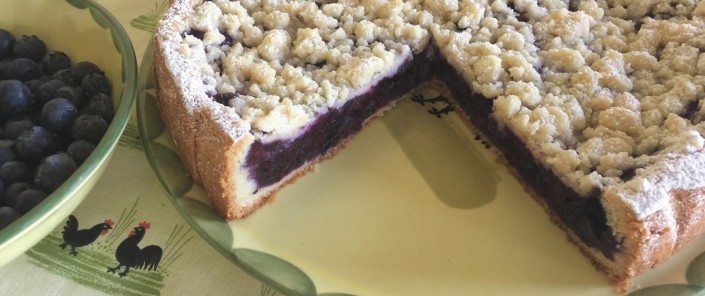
[251, 109]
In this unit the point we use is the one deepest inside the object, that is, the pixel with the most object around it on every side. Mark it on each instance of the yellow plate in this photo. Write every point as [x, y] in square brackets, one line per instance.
[414, 205]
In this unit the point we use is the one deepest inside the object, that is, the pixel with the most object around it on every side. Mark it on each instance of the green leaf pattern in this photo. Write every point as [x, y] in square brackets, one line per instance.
[148, 22]
[695, 273]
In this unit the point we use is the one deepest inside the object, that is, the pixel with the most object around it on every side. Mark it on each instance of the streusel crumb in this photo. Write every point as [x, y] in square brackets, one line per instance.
[286, 61]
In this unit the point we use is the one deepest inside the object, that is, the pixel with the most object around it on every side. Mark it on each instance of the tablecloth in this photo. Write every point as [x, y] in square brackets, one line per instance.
[129, 193]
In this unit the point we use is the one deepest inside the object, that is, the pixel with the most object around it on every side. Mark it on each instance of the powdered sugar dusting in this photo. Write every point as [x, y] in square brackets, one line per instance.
[285, 62]
[597, 91]
[186, 71]
[650, 190]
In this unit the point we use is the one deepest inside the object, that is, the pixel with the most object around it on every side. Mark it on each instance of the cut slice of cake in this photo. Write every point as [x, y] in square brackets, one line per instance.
[595, 105]
[255, 93]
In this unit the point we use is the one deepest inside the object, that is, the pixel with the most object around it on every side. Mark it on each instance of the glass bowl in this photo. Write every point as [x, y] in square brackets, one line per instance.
[86, 32]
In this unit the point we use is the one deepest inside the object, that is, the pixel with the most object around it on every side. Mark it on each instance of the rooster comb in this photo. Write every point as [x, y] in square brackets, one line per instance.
[109, 222]
[144, 224]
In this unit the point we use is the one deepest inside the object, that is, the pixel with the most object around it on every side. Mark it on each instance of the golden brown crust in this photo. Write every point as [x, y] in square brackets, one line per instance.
[214, 162]
[174, 112]
[654, 240]
[690, 213]
[204, 149]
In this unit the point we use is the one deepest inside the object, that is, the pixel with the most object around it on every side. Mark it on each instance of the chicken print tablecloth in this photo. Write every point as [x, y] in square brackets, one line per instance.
[144, 225]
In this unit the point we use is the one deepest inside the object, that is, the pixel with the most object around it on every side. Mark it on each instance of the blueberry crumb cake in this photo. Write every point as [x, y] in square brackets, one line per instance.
[595, 105]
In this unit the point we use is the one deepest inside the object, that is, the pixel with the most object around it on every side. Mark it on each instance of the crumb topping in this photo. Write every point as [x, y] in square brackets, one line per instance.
[279, 63]
[595, 90]
[599, 90]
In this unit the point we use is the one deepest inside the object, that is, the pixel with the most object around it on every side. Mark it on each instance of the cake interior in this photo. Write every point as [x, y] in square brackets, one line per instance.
[584, 215]
[270, 162]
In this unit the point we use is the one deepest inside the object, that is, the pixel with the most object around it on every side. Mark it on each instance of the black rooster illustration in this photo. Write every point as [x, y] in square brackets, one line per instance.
[129, 255]
[76, 238]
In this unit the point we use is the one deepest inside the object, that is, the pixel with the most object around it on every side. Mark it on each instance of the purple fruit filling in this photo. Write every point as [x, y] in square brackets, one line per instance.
[223, 98]
[584, 215]
[270, 162]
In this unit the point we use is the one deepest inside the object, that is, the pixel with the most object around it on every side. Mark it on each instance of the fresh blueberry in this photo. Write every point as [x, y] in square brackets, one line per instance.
[89, 127]
[15, 127]
[35, 143]
[33, 85]
[15, 98]
[94, 84]
[47, 91]
[4, 67]
[29, 199]
[7, 41]
[80, 150]
[54, 61]
[62, 140]
[7, 143]
[65, 75]
[29, 47]
[22, 69]
[72, 94]
[7, 216]
[83, 69]
[58, 114]
[6, 155]
[54, 170]
[15, 171]
[100, 105]
[13, 191]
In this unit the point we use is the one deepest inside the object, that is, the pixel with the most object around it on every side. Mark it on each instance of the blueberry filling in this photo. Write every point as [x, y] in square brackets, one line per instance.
[519, 14]
[628, 174]
[229, 41]
[584, 215]
[269, 162]
[224, 99]
[195, 33]
[690, 109]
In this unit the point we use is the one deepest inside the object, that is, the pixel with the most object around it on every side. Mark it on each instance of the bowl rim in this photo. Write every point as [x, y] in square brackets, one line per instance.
[105, 147]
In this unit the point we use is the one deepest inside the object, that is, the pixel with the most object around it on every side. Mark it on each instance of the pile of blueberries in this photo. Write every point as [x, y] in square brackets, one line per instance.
[52, 114]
